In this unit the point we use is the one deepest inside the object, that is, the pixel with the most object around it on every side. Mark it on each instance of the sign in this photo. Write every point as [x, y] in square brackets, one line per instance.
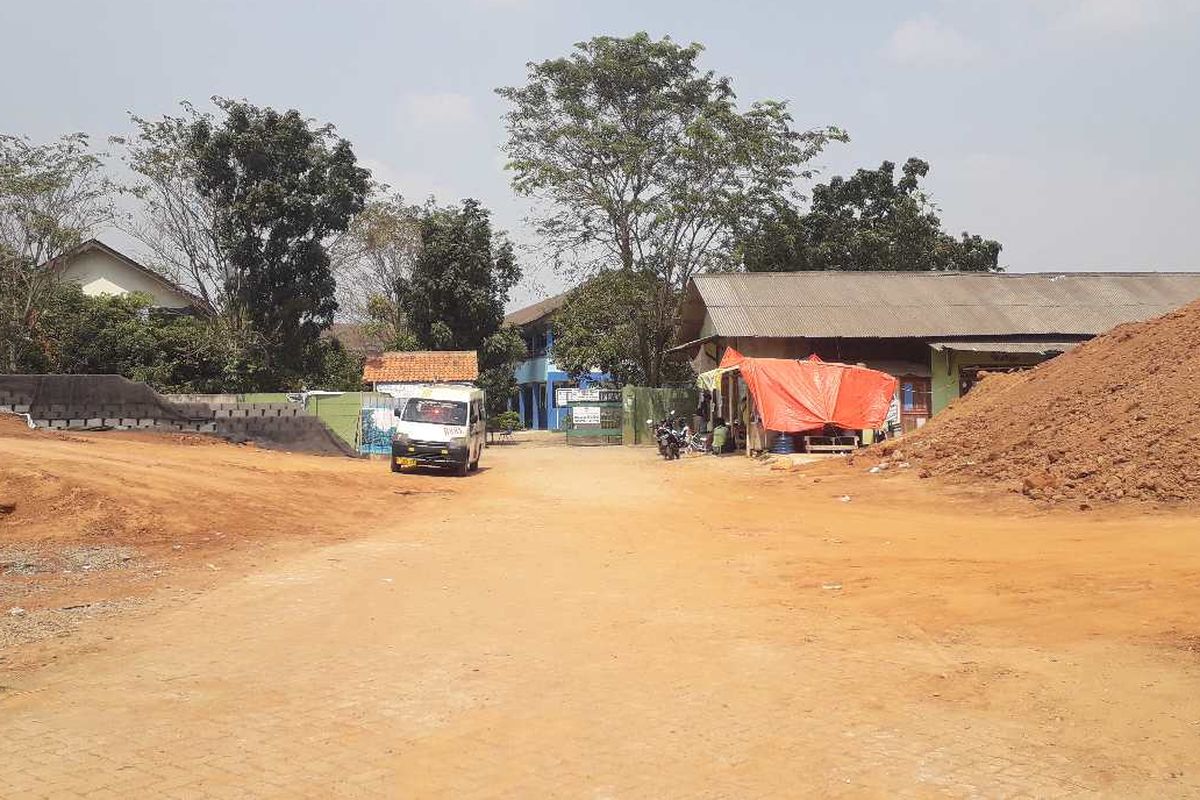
[585, 415]
[566, 395]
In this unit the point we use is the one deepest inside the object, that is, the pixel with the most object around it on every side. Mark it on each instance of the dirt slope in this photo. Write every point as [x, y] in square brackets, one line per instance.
[1113, 420]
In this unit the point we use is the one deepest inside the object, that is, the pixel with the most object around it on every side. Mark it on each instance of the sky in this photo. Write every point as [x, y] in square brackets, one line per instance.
[1066, 129]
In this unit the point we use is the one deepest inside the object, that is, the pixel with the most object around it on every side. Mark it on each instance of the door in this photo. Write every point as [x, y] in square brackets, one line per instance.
[916, 402]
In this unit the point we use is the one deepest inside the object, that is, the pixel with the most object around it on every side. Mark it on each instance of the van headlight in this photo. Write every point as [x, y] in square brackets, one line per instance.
[458, 441]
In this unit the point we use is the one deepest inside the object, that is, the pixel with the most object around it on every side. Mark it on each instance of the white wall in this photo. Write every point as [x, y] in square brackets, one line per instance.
[99, 273]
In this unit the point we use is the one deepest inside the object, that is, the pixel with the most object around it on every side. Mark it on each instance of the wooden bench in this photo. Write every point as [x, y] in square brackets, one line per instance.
[830, 444]
[504, 434]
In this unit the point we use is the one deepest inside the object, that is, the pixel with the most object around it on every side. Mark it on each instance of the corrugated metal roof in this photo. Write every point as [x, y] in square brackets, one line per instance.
[535, 312]
[1003, 346]
[929, 304]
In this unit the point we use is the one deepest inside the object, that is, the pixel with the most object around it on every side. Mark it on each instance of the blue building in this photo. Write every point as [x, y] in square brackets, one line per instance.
[543, 387]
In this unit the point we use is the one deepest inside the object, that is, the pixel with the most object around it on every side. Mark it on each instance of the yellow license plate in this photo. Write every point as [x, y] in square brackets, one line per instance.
[405, 462]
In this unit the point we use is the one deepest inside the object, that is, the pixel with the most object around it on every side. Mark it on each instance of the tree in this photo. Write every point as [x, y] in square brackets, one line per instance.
[498, 356]
[461, 280]
[52, 196]
[869, 221]
[645, 163]
[243, 207]
[597, 327]
[454, 299]
[372, 260]
[176, 222]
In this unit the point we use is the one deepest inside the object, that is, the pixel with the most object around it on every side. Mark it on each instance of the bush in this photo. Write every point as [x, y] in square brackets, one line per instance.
[506, 420]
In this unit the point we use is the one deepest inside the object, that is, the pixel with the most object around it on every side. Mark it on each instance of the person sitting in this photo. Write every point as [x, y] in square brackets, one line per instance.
[720, 436]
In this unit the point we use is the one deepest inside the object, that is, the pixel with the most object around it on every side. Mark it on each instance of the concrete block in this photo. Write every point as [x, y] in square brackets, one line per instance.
[95, 422]
[112, 422]
[58, 424]
[129, 422]
[146, 422]
[20, 408]
[42, 423]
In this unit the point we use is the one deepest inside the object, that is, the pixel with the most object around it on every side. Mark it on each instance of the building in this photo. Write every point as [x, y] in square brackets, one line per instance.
[543, 388]
[395, 373]
[933, 331]
[99, 269]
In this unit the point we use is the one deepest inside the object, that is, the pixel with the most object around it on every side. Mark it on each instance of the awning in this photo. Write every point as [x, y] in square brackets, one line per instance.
[1003, 346]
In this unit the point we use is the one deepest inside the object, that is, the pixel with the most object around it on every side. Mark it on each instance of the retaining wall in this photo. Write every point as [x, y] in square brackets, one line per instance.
[100, 402]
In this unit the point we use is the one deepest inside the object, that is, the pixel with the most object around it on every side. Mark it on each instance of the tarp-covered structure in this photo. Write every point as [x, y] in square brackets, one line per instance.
[794, 396]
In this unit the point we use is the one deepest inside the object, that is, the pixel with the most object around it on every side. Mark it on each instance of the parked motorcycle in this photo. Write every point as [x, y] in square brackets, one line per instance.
[670, 439]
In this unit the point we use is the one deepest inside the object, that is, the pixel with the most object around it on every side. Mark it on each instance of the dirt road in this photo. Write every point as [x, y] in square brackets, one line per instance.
[595, 623]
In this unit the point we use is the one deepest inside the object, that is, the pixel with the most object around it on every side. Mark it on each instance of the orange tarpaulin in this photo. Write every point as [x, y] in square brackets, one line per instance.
[794, 396]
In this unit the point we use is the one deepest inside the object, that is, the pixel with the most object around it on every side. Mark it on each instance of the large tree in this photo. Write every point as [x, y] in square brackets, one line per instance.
[598, 327]
[242, 206]
[454, 298]
[869, 221]
[644, 162]
[372, 261]
[52, 196]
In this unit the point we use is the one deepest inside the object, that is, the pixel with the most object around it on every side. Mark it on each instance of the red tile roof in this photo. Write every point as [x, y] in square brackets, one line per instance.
[422, 366]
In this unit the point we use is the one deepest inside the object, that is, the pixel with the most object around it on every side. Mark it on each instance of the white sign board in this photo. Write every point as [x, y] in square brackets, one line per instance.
[585, 415]
[565, 395]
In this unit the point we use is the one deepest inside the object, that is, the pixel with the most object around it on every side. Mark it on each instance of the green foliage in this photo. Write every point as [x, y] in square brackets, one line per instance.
[455, 296]
[609, 324]
[869, 221]
[506, 420]
[645, 162]
[337, 369]
[498, 356]
[52, 196]
[240, 207]
[461, 280]
[280, 188]
[123, 335]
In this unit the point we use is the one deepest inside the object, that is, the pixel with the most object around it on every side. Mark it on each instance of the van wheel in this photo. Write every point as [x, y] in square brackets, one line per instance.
[474, 465]
[461, 469]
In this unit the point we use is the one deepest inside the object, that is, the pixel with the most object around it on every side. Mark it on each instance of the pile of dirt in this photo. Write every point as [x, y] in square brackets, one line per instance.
[1113, 420]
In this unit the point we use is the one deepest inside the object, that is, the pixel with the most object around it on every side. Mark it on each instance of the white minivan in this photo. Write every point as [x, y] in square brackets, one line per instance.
[440, 426]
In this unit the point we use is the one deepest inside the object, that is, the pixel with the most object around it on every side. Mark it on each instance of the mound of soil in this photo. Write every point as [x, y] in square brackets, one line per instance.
[1115, 419]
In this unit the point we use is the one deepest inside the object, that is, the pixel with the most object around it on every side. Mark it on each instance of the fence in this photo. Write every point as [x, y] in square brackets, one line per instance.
[595, 421]
[641, 403]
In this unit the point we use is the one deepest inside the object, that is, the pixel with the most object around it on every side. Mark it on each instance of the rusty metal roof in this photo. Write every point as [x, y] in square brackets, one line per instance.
[538, 311]
[928, 304]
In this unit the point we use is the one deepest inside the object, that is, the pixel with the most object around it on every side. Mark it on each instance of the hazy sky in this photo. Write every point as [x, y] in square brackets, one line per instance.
[1067, 129]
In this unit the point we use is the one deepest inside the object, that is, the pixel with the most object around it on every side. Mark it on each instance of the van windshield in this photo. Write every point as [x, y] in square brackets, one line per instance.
[437, 412]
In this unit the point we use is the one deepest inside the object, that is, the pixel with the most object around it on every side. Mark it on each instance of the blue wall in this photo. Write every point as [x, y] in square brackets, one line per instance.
[537, 379]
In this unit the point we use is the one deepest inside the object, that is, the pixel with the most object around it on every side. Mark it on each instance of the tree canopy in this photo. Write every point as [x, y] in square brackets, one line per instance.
[454, 298]
[645, 163]
[52, 196]
[241, 207]
[869, 221]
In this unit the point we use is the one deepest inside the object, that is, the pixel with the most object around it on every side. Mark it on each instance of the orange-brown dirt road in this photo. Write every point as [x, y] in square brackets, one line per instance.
[576, 623]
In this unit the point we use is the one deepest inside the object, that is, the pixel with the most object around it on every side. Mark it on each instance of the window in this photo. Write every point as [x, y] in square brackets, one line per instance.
[436, 412]
[915, 396]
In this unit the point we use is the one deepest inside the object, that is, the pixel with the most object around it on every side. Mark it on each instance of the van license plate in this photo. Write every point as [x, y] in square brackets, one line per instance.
[405, 462]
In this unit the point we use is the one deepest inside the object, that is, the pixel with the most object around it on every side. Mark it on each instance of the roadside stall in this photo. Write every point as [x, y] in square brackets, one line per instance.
[818, 400]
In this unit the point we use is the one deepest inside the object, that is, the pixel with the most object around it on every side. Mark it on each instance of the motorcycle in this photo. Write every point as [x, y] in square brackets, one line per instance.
[670, 440]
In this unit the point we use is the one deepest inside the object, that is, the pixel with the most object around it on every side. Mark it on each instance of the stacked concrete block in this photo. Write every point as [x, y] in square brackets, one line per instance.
[64, 402]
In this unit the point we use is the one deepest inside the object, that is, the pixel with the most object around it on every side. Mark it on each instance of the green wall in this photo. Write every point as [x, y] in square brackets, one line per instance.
[945, 365]
[341, 412]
